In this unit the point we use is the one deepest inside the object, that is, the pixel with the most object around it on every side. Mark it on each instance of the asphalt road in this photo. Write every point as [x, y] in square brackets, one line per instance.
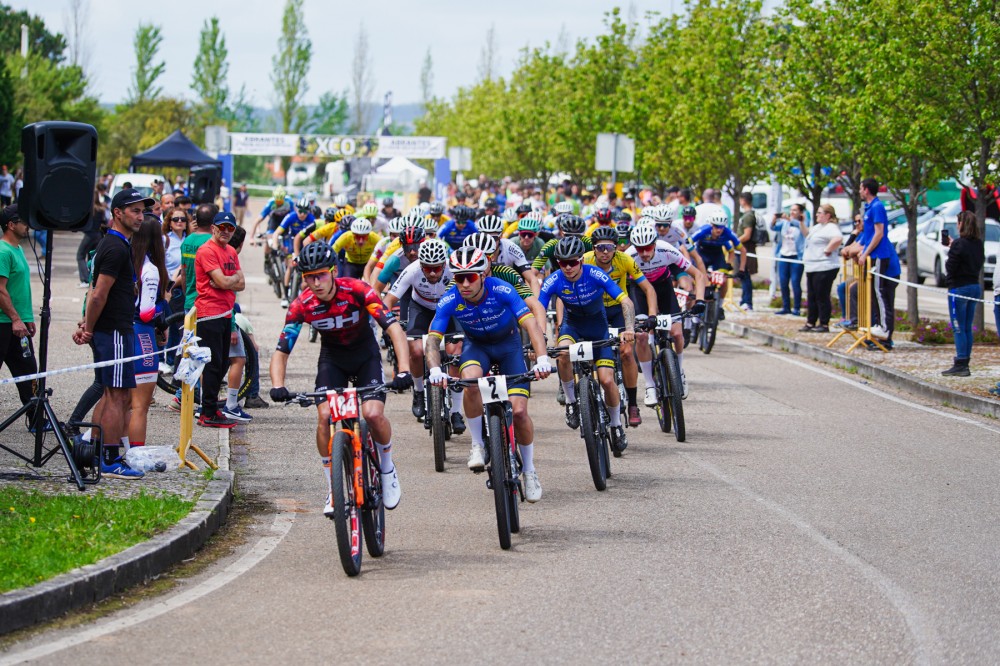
[807, 518]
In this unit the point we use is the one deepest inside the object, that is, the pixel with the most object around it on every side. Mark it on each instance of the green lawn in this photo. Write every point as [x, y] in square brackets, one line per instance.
[46, 535]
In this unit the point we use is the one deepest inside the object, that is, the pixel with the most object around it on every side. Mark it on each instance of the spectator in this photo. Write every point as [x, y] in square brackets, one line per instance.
[847, 291]
[424, 194]
[218, 277]
[874, 243]
[91, 235]
[789, 244]
[175, 228]
[167, 203]
[996, 312]
[966, 256]
[747, 228]
[18, 183]
[6, 187]
[17, 321]
[822, 263]
[108, 323]
[148, 263]
[238, 354]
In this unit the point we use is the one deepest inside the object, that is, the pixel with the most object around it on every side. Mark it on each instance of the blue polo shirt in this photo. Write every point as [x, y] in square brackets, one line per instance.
[875, 214]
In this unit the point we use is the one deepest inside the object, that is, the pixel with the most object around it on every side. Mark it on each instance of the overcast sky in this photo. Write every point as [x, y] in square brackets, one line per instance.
[400, 32]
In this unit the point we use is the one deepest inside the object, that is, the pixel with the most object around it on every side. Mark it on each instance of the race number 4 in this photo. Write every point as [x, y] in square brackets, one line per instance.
[581, 351]
[343, 405]
[493, 388]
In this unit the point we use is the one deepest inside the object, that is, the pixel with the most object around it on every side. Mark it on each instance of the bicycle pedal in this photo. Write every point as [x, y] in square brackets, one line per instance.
[489, 483]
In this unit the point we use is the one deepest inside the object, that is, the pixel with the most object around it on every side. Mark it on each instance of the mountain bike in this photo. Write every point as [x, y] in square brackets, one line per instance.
[274, 266]
[503, 461]
[666, 374]
[166, 381]
[595, 425]
[355, 475]
[710, 326]
[438, 400]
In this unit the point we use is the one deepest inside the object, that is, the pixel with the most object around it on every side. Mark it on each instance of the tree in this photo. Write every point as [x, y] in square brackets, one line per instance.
[210, 73]
[10, 130]
[77, 30]
[362, 82]
[51, 91]
[330, 116]
[427, 79]
[147, 45]
[291, 67]
[48, 45]
[488, 55]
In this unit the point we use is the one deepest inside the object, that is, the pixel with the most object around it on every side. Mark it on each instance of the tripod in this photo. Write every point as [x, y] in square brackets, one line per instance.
[39, 403]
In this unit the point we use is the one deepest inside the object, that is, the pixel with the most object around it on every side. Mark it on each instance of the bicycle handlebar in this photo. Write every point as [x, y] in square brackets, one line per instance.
[308, 398]
[609, 342]
[511, 379]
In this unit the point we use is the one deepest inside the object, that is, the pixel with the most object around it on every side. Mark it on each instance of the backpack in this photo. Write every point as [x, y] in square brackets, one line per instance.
[760, 235]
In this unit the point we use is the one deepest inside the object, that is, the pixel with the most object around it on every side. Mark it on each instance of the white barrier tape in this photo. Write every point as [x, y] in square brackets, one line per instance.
[773, 257]
[943, 292]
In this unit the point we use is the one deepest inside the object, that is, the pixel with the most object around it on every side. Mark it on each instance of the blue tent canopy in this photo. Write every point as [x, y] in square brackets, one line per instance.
[175, 150]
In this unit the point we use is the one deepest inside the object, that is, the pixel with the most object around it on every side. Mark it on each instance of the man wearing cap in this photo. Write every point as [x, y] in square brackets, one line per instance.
[17, 321]
[108, 325]
[217, 277]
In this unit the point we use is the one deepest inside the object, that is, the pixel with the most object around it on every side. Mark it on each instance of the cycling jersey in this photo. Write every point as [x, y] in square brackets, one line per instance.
[272, 209]
[590, 230]
[321, 231]
[511, 255]
[380, 247]
[149, 292]
[714, 247]
[292, 225]
[452, 235]
[422, 290]
[547, 253]
[658, 266]
[582, 297]
[341, 322]
[511, 277]
[354, 253]
[676, 235]
[492, 319]
[394, 265]
[623, 268]
[395, 245]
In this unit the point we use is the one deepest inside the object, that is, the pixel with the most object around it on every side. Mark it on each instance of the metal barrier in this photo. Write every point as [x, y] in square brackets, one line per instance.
[187, 408]
[860, 278]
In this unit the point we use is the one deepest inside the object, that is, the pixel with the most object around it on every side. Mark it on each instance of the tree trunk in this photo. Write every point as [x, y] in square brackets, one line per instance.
[982, 190]
[910, 207]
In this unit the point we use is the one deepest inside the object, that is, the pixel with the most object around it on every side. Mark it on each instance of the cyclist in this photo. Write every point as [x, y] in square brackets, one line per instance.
[413, 218]
[387, 212]
[621, 268]
[673, 232]
[278, 206]
[426, 281]
[285, 234]
[624, 230]
[329, 230]
[395, 228]
[488, 245]
[569, 226]
[390, 266]
[581, 288]
[527, 237]
[510, 219]
[430, 226]
[689, 215]
[489, 312]
[339, 308]
[602, 218]
[716, 244]
[508, 253]
[656, 259]
[357, 246]
[456, 229]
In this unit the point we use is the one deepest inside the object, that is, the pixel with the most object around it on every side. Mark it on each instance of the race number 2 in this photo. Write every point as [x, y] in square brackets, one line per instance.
[493, 388]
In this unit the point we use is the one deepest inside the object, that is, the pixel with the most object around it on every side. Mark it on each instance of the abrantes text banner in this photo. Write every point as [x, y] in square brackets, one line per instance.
[412, 147]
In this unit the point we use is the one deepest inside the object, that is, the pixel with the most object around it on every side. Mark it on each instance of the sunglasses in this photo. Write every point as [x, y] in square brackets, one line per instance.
[467, 278]
[689, 217]
[568, 263]
[179, 219]
[605, 247]
[527, 234]
[316, 275]
[411, 247]
[646, 248]
[662, 226]
[302, 210]
[431, 269]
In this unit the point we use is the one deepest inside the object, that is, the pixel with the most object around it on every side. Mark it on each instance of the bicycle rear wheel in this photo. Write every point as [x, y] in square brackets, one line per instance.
[669, 361]
[438, 428]
[589, 426]
[373, 511]
[277, 273]
[710, 328]
[513, 472]
[346, 516]
[663, 416]
[498, 480]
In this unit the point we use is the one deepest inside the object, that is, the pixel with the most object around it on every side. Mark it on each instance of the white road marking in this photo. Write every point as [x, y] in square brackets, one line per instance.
[279, 529]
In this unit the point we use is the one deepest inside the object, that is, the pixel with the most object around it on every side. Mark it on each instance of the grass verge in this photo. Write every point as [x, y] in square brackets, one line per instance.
[46, 535]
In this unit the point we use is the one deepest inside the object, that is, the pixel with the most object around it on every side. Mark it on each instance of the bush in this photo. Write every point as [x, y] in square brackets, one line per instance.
[938, 332]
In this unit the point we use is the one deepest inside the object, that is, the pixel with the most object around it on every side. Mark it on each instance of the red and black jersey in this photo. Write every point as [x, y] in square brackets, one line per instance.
[342, 321]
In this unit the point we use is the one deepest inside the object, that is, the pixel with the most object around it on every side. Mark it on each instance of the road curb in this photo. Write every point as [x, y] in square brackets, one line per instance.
[138, 564]
[963, 401]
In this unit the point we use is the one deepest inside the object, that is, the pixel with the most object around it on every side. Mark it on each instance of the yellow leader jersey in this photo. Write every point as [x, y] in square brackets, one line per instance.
[623, 268]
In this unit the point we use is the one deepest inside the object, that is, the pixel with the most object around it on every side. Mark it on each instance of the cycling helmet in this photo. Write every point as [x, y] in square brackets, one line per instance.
[524, 209]
[340, 215]
[361, 227]
[468, 260]
[424, 207]
[661, 214]
[528, 223]
[490, 203]
[563, 207]
[534, 215]
[647, 221]
[413, 218]
[345, 222]
[643, 235]
[490, 224]
[388, 201]
[303, 204]
[433, 252]
[340, 200]
[369, 210]
[316, 257]
[718, 220]
[623, 216]
[329, 214]
[603, 216]
[396, 225]
[604, 234]
[509, 215]
[689, 211]
[436, 208]
[279, 193]
[485, 242]
[430, 225]
[571, 225]
[412, 235]
[570, 248]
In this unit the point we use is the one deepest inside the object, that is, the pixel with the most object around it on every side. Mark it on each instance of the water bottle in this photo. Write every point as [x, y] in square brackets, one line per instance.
[25, 347]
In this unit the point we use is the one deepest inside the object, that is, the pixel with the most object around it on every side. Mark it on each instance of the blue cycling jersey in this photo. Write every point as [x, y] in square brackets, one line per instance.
[492, 319]
[292, 225]
[453, 236]
[714, 247]
[583, 298]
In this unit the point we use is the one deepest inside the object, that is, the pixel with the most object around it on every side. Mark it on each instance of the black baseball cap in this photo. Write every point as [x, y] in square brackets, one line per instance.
[129, 197]
[223, 217]
[9, 215]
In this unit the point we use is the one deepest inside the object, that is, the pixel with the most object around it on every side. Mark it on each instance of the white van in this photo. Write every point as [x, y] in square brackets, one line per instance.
[300, 173]
[140, 181]
[333, 179]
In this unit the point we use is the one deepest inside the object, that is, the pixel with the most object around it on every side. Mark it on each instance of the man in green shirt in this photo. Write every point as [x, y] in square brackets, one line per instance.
[17, 321]
[203, 217]
[746, 230]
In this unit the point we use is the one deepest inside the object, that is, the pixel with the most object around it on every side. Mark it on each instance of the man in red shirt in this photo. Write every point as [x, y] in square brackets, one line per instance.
[217, 277]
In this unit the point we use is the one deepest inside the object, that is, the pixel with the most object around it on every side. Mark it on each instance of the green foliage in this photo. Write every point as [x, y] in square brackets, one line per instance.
[141, 126]
[41, 42]
[209, 74]
[10, 130]
[146, 43]
[330, 115]
[290, 67]
[51, 92]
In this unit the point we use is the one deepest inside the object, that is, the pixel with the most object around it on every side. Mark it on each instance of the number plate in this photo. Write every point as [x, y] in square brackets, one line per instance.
[613, 332]
[663, 321]
[493, 388]
[682, 297]
[343, 405]
[581, 351]
[718, 278]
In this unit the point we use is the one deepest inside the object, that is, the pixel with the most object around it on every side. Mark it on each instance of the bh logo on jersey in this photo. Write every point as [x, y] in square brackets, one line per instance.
[339, 321]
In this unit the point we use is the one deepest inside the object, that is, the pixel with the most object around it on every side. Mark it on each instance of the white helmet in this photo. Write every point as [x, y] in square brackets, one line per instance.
[510, 215]
[413, 217]
[563, 207]
[340, 200]
[369, 210]
[643, 235]
[662, 213]
[490, 224]
[483, 241]
[425, 208]
[396, 225]
[536, 215]
[718, 220]
[361, 227]
[648, 221]
[430, 225]
[433, 252]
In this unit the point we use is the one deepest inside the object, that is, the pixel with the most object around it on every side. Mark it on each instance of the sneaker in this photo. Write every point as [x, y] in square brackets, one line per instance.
[821, 329]
[560, 395]
[783, 312]
[619, 441]
[418, 408]
[796, 313]
[808, 328]
[175, 404]
[328, 508]
[634, 419]
[457, 423]
[722, 314]
[119, 469]
[255, 402]
[83, 285]
[236, 414]
[995, 390]
[284, 303]
[532, 488]
[650, 399]
[391, 491]
[684, 386]
[573, 415]
[879, 332]
[217, 421]
[477, 458]
[165, 369]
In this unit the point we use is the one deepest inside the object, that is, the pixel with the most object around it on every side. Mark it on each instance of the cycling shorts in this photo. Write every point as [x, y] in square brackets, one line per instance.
[666, 299]
[421, 318]
[576, 330]
[507, 354]
[616, 318]
[339, 365]
[145, 343]
[355, 271]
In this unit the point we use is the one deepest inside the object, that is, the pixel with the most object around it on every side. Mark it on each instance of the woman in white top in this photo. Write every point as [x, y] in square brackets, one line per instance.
[822, 263]
[151, 276]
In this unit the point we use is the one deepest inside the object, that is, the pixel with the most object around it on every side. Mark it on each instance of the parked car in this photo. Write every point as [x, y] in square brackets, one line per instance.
[898, 230]
[932, 255]
[140, 181]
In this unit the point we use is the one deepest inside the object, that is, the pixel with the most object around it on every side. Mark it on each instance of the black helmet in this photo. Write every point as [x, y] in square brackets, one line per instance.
[490, 203]
[524, 209]
[316, 257]
[329, 214]
[387, 202]
[571, 225]
[346, 222]
[411, 236]
[570, 248]
[604, 234]
[623, 216]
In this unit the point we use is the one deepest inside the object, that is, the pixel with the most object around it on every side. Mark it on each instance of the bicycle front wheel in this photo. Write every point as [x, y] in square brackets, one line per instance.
[662, 408]
[710, 328]
[277, 272]
[499, 454]
[437, 417]
[346, 516]
[668, 359]
[590, 426]
[373, 511]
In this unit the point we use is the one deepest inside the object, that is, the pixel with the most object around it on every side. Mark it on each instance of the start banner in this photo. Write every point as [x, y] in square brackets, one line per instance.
[317, 145]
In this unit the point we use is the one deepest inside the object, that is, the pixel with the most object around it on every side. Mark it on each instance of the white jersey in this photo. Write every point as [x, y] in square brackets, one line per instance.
[676, 235]
[149, 290]
[380, 247]
[512, 255]
[425, 292]
[658, 266]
